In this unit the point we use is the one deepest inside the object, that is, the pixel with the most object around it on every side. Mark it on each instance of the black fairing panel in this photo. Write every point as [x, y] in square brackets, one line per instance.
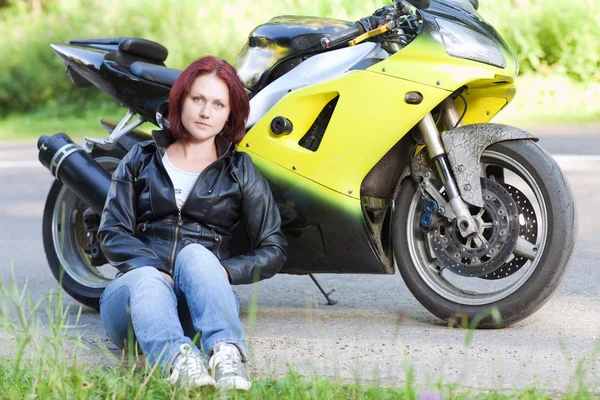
[279, 39]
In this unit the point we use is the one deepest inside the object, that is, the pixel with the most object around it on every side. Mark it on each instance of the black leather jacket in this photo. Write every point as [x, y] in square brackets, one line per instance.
[142, 226]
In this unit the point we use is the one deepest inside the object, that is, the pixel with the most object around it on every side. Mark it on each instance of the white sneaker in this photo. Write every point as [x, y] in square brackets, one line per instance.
[189, 369]
[227, 368]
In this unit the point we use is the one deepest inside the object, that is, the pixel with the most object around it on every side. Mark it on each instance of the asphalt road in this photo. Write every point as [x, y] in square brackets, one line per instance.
[377, 329]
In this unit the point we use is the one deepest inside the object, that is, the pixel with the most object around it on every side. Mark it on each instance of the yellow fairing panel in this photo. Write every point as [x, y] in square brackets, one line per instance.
[370, 117]
[485, 101]
[425, 60]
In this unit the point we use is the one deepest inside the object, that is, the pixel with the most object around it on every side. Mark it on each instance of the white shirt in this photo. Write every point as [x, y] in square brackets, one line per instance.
[183, 181]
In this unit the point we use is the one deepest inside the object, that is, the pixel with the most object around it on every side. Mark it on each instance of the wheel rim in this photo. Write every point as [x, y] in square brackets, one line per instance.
[69, 240]
[474, 291]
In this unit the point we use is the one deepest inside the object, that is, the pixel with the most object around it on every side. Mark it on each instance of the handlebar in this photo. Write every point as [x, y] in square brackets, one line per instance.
[368, 24]
[343, 36]
[361, 26]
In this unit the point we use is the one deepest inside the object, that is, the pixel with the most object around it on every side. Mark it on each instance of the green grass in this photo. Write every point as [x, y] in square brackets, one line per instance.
[551, 36]
[46, 121]
[43, 364]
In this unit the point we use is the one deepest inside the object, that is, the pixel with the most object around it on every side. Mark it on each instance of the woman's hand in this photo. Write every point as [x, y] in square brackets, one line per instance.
[169, 279]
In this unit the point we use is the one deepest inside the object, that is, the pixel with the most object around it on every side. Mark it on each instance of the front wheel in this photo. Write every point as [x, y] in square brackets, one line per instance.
[518, 257]
[69, 230]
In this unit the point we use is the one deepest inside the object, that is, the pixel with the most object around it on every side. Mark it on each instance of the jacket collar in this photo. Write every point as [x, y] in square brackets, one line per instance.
[164, 138]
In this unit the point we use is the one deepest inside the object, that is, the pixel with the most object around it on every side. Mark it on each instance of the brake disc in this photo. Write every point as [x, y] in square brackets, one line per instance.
[527, 230]
[491, 246]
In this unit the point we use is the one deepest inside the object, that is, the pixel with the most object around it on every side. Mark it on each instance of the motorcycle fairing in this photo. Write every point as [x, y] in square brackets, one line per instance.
[315, 187]
[370, 131]
[358, 134]
[315, 69]
[325, 230]
[279, 39]
[438, 68]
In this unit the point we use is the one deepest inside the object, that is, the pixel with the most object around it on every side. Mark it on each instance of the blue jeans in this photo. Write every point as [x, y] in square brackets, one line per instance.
[202, 301]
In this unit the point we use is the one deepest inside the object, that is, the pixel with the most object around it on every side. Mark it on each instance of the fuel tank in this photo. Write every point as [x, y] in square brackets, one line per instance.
[277, 46]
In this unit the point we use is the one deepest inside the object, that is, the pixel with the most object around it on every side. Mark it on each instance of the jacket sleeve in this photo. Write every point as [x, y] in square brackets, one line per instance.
[118, 223]
[263, 222]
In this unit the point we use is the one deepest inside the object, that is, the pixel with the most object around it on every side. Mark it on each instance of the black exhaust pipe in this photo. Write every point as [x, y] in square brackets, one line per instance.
[75, 168]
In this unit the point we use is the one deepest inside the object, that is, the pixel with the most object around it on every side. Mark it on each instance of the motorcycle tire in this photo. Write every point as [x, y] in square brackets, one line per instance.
[549, 216]
[64, 237]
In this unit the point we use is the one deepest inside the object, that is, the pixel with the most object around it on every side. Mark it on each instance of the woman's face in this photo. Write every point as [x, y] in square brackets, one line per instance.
[206, 108]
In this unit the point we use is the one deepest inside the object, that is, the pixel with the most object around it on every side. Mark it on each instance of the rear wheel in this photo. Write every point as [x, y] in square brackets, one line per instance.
[69, 230]
[518, 257]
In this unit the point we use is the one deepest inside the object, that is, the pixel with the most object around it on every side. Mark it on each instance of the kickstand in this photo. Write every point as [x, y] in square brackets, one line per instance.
[330, 301]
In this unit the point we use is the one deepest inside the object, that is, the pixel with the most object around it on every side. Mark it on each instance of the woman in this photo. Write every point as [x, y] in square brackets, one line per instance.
[166, 225]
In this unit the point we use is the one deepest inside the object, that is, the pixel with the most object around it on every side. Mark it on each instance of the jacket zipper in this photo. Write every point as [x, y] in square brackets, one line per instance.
[179, 223]
[179, 219]
[218, 241]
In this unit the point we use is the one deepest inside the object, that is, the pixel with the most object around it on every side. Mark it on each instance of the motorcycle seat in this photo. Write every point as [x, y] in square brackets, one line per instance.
[155, 73]
[135, 46]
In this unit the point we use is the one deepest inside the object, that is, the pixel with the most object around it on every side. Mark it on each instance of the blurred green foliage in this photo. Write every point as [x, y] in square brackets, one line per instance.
[549, 36]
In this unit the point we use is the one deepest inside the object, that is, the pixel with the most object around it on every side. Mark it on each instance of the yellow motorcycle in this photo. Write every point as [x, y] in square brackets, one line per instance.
[375, 138]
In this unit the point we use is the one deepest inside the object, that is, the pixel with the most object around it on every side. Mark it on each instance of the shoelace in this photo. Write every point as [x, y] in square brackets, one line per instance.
[194, 363]
[195, 366]
[228, 363]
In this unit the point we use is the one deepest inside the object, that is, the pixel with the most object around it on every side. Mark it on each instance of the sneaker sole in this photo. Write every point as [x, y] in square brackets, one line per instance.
[235, 383]
[207, 381]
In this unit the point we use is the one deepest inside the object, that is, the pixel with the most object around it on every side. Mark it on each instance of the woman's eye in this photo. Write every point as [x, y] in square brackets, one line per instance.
[197, 99]
[220, 105]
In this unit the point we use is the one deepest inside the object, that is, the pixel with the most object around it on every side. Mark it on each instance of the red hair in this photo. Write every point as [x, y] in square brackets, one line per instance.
[235, 127]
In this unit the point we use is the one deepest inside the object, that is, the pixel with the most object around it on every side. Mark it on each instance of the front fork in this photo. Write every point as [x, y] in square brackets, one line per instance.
[437, 153]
